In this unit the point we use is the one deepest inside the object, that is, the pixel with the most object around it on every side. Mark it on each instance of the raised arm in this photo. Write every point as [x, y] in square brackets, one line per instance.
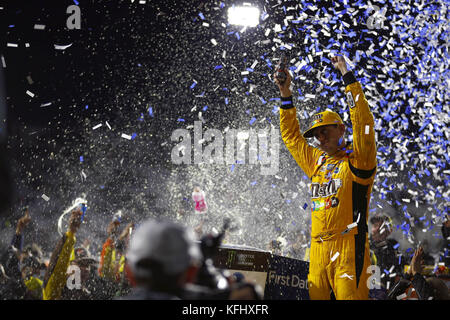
[303, 153]
[364, 145]
[56, 275]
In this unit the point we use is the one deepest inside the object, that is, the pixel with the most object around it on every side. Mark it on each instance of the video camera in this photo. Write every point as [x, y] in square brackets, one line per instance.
[212, 283]
[208, 275]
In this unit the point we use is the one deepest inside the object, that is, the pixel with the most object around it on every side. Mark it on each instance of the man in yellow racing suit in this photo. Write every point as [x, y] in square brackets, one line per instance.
[342, 176]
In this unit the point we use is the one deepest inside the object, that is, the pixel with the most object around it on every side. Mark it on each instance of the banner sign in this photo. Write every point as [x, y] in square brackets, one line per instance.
[287, 279]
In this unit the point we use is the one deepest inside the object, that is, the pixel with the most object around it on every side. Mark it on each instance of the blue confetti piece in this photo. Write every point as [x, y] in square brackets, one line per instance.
[180, 120]
[396, 246]
[150, 111]
[102, 187]
[76, 2]
[252, 120]
[253, 183]
[237, 35]
[81, 159]
[232, 167]
[218, 67]
[222, 5]
[275, 109]
[11, 26]
[305, 206]
[205, 108]
[201, 16]
[86, 107]
[226, 100]
[193, 85]
[133, 136]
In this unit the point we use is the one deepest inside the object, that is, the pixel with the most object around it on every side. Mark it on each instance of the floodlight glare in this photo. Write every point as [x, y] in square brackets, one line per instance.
[247, 16]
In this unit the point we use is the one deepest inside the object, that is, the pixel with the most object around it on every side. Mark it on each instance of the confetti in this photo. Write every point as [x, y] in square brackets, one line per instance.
[335, 256]
[97, 126]
[126, 136]
[45, 197]
[39, 27]
[62, 47]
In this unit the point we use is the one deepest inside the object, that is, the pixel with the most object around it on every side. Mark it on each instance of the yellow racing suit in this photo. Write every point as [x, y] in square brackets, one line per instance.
[340, 189]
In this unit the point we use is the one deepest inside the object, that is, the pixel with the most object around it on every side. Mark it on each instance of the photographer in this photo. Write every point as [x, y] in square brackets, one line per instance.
[165, 263]
[162, 258]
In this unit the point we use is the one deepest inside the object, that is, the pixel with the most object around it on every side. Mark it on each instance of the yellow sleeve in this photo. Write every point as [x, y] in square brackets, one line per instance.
[364, 145]
[58, 278]
[107, 260]
[305, 155]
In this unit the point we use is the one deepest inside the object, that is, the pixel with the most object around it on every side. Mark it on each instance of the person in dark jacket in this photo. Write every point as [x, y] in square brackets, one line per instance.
[162, 258]
[415, 286]
[385, 254]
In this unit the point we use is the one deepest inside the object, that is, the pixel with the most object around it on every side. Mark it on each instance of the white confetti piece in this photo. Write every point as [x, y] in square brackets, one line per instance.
[97, 126]
[311, 96]
[335, 256]
[126, 136]
[46, 104]
[107, 124]
[27, 45]
[367, 129]
[39, 27]
[214, 42]
[3, 61]
[45, 197]
[31, 94]
[400, 297]
[345, 275]
[352, 225]
[12, 45]
[62, 47]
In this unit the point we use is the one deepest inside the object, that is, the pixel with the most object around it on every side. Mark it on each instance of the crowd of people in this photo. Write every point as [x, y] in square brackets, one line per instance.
[160, 260]
[163, 260]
